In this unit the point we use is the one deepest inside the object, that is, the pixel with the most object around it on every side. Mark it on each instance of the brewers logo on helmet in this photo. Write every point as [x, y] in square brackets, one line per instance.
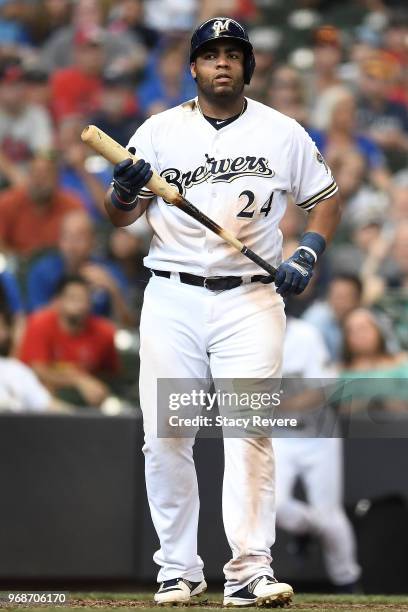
[224, 27]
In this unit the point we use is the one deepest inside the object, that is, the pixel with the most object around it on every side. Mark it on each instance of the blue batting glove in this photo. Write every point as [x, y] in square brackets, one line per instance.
[129, 178]
[294, 274]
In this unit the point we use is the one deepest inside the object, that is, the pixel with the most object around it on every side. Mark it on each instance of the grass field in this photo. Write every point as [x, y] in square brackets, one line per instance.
[109, 602]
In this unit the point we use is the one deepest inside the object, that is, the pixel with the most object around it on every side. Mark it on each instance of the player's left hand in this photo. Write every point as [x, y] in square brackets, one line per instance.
[294, 274]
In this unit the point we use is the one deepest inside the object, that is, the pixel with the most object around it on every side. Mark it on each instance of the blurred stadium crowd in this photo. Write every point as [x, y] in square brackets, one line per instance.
[71, 285]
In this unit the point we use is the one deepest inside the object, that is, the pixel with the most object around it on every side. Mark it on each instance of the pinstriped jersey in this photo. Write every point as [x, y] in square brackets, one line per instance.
[239, 175]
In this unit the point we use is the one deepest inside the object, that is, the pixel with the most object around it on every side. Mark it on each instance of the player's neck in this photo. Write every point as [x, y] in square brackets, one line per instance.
[222, 110]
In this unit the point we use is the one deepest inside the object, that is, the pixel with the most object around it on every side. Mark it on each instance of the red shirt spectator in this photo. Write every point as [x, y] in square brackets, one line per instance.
[68, 347]
[76, 90]
[74, 93]
[30, 217]
[92, 349]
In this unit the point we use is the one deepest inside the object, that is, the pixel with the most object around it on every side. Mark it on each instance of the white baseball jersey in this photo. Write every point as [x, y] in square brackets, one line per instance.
[239, 176]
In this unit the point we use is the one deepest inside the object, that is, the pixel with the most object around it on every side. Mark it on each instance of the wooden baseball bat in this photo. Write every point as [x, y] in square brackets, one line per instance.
[115, 153]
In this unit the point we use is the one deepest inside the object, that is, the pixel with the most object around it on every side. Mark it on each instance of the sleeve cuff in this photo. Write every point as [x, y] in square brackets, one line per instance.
[325, 193]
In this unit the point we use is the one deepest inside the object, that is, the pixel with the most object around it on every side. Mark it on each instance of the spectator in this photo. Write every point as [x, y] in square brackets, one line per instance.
[285, 93]
[109, 288]
[38, 89]
[363, 47]
[167, 79]
[395, 268]
[75, 90]
[327, 51]
[370, 244]
[11, 302]
[75, 172]
[350, 171]
[265, 41]
[121, 52]
[128, 250]
[179, 16]
[128, 16]
[393, 276]
[344, 296]
[30, 217]
[12, 30]
[338, 136]
[399, 204]
[47, 17]
[25, 128]
[68, 347]
[395, 44]
[243, 10]
[370, 352]
[10, 294]
[20, 389]
[117, 115]
[384, 121]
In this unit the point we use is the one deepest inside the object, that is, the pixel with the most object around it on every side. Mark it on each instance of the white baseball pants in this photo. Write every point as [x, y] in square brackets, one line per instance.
[188, 332]
[319, 463]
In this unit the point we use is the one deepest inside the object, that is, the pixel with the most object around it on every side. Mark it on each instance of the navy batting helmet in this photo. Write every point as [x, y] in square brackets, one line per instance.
[224, 27]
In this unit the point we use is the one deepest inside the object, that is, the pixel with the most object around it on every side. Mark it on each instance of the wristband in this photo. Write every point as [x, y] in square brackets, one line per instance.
[314, 243]
[121, 204]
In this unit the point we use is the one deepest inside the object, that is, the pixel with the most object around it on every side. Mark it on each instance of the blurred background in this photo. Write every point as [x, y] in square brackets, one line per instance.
[73, 507]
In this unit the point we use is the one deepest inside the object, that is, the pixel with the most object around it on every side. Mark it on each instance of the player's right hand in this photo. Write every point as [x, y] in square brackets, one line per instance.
[129, 178]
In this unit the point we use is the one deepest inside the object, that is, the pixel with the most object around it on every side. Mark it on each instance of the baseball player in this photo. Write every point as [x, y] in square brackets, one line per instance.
[209, 311]
[318, 461]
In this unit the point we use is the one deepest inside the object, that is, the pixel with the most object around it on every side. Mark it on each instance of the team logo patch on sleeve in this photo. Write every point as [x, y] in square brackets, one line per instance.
[321, 160]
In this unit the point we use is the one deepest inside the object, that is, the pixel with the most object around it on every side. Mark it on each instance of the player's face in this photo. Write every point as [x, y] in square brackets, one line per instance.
[219, 70]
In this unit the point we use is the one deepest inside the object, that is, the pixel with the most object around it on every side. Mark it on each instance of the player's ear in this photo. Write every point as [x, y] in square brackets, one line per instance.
[193, 70]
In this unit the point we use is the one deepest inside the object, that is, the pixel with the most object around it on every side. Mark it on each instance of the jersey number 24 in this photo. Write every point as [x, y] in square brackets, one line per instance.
[249, 209]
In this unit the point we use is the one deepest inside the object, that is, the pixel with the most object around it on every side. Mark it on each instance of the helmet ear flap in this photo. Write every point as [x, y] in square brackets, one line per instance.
[249, 67]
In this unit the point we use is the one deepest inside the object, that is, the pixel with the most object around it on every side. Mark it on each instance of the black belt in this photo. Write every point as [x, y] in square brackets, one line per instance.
[220, 283]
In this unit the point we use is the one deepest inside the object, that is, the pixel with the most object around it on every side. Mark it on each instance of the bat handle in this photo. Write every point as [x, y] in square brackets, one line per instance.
[258, 260]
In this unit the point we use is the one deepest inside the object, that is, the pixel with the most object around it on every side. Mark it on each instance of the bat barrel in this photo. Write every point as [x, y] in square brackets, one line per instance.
[115, 153]
[104, 144]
